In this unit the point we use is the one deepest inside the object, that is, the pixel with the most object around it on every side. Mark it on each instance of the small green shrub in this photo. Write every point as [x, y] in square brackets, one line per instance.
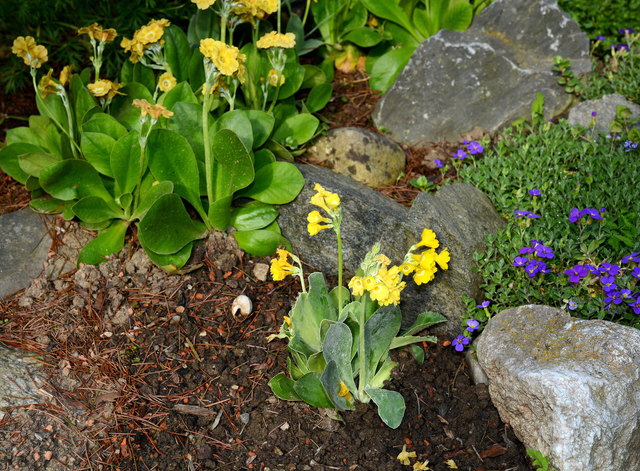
[603, 18]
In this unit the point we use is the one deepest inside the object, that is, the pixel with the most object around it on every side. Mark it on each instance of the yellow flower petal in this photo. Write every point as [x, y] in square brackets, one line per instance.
[357, 286]
[166, 82]
[344, 392]
[451, 464]
[404, 456]
[443, 259]
[275, 39]
[428, 239]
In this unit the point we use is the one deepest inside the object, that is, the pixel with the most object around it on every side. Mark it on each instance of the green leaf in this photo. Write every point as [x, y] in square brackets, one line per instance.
[363, 37]
[109, 241]
[296, 130]
[166, 227]
[181, 93]
[457, 17]
[282, 387]
[379, 332]
[276, 183]
[81, 99]
[105, 124]
[73, 179]
[253, 215]
[383, 374]
[261, 125]
[390, 10]
[138, 73]
[151, 195]
[203, 24]
[46, 205]
[337, 350]
[126, 163]
[262, 157]
[9, 159]
[313, 75]
[171, 263]
[34, 162]
[171, 158]
[233, 165]
[122, 105]
[52, 107]
[44, 127]
[309, 388]
[177, 52]
[388, 66]
[96, 148]
[94, 209]
[331, 382]
[318, 97]
[261, 242]
[418, 353]
[424, 321]
[390, 404]
[404, 340]
[25, 135]
[187, 121]
[238, 122]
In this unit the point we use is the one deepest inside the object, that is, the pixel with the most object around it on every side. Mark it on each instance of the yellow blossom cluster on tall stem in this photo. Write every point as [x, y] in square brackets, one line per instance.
[275, 43]
[281, 267]
[98, 37]
[424, 265]
[146, 46]
[383, 284]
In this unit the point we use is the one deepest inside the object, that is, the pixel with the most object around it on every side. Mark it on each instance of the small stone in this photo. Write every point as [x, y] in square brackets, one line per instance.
[261, 271]
[245, 418]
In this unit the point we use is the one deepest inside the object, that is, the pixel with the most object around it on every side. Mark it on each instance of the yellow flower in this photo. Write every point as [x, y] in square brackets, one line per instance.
[96, 33]
[383, 259]
[144, 106]
[166, 82]
[65, 75]
[357, 286]
[155, 111]
[369, 283]
[313, 228]
[287, 320]
[275, 39]
[417, 466]
[407, 268]
[316, 217]
[344, 392]
[280, 267]
[203, 4]
[26, 48]
[273, 78]
[422, 276]
[428, 239]
[134, 47]
[427, 260]
[152, 32]
[225, 58]
[267, 6]
[404, 456]
[23, 46]
[47, 85]
[443, 259]
[380, 293]
[451, 464]
[106, 88]
[325, 199]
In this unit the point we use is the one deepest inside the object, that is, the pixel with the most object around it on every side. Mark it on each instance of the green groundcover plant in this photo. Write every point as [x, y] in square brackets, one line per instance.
[340, 340]
[192, 129]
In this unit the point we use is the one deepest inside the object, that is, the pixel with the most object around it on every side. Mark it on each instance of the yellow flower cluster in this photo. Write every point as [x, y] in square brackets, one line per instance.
[330, 202]
[281, 267]
[227, 59]
[34, 55]
[166, 82]
[275, 39]
[250, 9]
[105, 88]
[425, 265]
[203, 4]
[384, 287]
[155, 111]
[149, 34]
[48, 86]
[96, 33]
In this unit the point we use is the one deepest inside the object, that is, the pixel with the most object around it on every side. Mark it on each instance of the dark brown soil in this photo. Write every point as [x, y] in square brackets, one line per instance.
[153, 372]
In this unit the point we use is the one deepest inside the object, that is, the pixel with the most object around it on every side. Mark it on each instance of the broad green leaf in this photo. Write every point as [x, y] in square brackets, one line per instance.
[96, 148]
[388, 66]
[458, 17]
[109, 241]
[94, 209]
[318, 97]
[309, 388]
[379, 332]
[282, 387]
[149, 196]
[390, 10]
[122, 105]
[166, 227]
[383, 374]
[171, 263]
[44, 127]
[253, 215]
[313, 75]
[424, 321]
[363, 37]
[337, 350]
[262, 157]
[81, 99]
[138, 73]
[171, 158]
[331, 378]
[73, 179]
[9, 156]
[53, 108]
[33, 184]
[279, 150]
[105, 124]
[296, 130]
[390, 404]
[203, 24]
[294, 75]
[126, 162]
[261, 125]
[177, 52]
[25, 135]
[47, 205]
[187, 121]
[404, 340]
[276, 183]
[418, 353]
[260, 242]
[237, 121]
[181, 93]
[33, 163]
[316, 362]
[233, 165]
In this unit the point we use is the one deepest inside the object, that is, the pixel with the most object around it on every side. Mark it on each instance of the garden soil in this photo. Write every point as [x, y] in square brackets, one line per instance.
[151, 371]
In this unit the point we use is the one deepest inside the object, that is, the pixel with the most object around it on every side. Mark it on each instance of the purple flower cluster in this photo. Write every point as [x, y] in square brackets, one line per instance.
[532, 266]
[521, 212]
[534, 192]
[630, 145]
[576, 213]
[472, 148]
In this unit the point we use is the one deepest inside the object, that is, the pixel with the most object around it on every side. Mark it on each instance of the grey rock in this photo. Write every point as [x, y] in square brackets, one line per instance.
[24, 246]
[486, 76]
[20, 378]
[568, 387]
[605, 109]
[460, 215]
[360, 154]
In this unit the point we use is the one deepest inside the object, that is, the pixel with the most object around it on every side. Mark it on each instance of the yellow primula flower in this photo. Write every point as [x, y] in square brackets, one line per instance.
[443, 259]
[344, 392]
[203, 4]
[155, 111]
[23, 45]
[134, 47]
[166, 82]
[267, 6]
[422, 276]
[404, 456]
[101, 88]
[225, 58]
[32, 54]
[96, 33]
[275, 39]
[383, 259]
[273, 78]
[313, 228]
[427, 260]
[357, 286]
[47, 85]
[428, 239]
[280, 267]
[65, 75]
[407, 268]
[325, 199]
[369, 283]
[316, 217]
[152, 32]
[287, 320]
[418, 466]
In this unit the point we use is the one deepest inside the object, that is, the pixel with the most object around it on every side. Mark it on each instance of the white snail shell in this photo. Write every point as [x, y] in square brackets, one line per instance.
[243, 304]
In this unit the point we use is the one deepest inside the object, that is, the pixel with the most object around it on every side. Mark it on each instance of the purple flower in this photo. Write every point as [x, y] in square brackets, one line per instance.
[475, 148]
[615, 297]
[633, 257]
[600, 38]
[534, 267]
[459, 154]
[635, 273]
[483, 304]
[594, 213]
[525, 250]
[459, 342]
[472, 325]
[576, 273]
[635, 305]
[574, 215]
[572, 305]
[622, 47]
[609, 269]
[520, 212]
[520, 261]
[593, 270]
[608, 283]
[625, 30]
[594, 114]
[439, 163]
[630, 145]
[534, 192]
[626, 293]
[533, 216]
[465, 142]
[543, 251]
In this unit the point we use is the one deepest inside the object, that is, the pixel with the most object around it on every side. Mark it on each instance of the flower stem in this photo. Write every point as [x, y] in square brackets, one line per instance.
[362, 376]
[339, 237]
[207, 148]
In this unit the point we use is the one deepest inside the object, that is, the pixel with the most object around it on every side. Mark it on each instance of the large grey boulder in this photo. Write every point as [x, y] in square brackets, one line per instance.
[460, 215]
[570, 388]
[24, 246]
[605, 109]
[486, 76]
